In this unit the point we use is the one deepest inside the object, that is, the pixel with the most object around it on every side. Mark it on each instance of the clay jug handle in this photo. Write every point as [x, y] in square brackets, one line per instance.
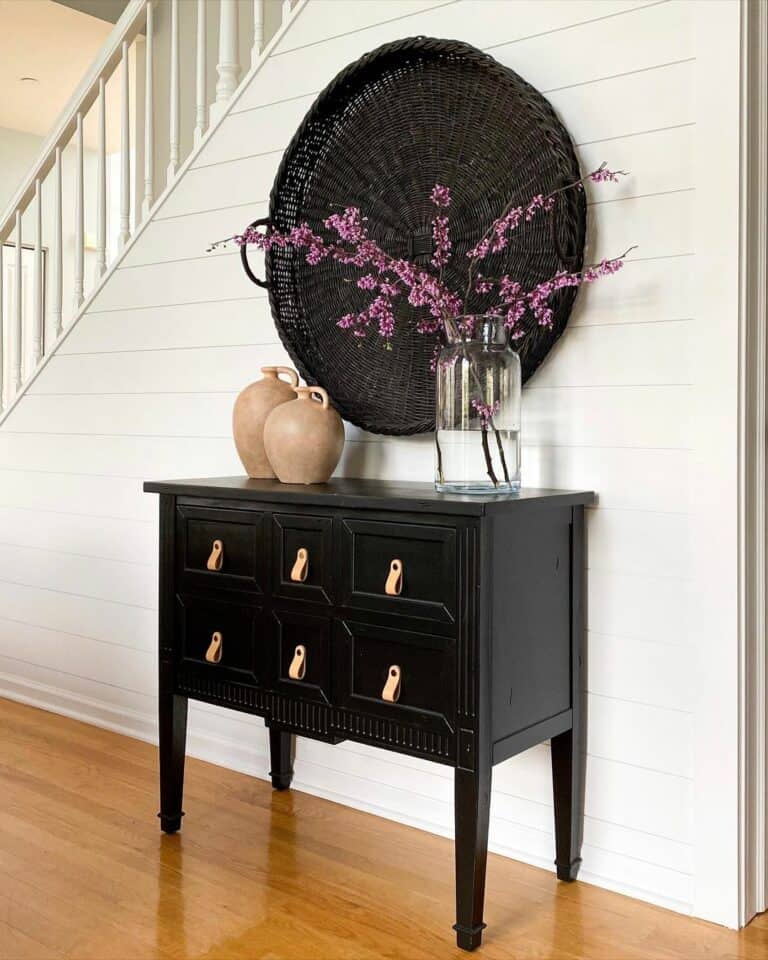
[322, 393]
[287, 371]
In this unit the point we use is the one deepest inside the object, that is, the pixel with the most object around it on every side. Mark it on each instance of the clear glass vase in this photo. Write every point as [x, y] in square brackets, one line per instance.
[477, 440]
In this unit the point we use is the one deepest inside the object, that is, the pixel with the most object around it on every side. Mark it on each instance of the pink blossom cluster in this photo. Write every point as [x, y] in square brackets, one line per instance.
[604, 175]
[486, 411]
[388, 279]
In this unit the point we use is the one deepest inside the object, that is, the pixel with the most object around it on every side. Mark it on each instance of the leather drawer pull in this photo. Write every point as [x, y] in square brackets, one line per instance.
[216, 559]
[394, 584]
[298, 665]
[300, 566]
[215, 648]
[391, 691]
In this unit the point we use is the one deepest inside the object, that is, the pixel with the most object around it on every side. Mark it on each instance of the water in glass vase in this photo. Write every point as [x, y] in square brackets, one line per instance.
[477, 441]
[471, 466]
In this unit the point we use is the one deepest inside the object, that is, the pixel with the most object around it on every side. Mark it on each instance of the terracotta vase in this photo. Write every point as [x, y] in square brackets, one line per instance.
[252, 407]
[304, 440]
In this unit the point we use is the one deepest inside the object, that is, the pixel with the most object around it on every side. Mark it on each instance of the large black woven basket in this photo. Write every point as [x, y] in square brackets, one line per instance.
[402, 118]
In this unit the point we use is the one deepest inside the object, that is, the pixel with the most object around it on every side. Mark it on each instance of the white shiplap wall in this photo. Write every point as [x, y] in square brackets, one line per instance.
[144, 385]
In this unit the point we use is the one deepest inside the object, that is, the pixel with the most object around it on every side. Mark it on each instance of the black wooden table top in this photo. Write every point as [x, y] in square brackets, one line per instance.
[374, 494]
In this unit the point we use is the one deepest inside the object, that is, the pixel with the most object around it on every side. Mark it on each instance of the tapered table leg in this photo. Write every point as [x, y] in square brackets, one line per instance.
[472, 798]
[568, 789]
[282, 747]
[173, 742]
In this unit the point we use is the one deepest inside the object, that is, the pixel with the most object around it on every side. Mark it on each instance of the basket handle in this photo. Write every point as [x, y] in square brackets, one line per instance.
[244, 255]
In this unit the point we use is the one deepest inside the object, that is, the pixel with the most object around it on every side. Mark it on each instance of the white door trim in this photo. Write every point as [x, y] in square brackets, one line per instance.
[753, 397]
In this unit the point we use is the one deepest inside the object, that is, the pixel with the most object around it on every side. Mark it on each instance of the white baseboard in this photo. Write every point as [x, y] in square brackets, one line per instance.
[251, 758]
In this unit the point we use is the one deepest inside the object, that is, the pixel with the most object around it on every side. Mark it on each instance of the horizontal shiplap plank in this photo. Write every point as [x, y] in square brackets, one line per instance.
[180, 238]
[238, 182]
[640, 670]
[222, 369]
[641, 734]
[661, 33]
[110, 664]
[637, 155]
[651, 99]
[55, 570]
[138, 457]
[637, 607]
[301, 71]
[128, 541]
[213, 323]
[640, 799]
[638, 878]
[92, 698]
[163, 415]
[206, 278]
[632, 416]
[341, 16]
[261, 130]
[619, 355]
[639, 543]
[612, 473]
[643, 291]
[112, 624]
[115, 497]
[658, 226]
[619, 793]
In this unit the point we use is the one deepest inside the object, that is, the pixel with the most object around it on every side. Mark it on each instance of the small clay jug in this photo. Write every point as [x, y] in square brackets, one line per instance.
[252, 407]
[304, 440]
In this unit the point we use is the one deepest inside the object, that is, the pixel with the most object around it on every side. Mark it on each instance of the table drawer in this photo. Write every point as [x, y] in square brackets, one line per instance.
[302, 558]
[403, 568]
[398, 674]
[222, 549]
[222, 636]
[302, 656]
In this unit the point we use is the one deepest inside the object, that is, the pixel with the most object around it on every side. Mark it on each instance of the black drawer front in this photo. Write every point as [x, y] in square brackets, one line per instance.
[302, 563]
[427, 555]
[426, 668]
[303, 642]
[222, 549]
[242, 632]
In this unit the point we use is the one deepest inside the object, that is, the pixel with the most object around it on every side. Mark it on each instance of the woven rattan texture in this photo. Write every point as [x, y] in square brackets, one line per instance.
[404, 117]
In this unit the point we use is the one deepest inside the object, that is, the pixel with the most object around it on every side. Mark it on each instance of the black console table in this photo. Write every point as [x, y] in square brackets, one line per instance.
[445, 627]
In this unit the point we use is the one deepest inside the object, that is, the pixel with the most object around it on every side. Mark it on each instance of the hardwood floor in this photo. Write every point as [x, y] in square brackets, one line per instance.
[86, 874]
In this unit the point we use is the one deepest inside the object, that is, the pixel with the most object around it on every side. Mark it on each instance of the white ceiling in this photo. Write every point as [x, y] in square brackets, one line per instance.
[55, 44]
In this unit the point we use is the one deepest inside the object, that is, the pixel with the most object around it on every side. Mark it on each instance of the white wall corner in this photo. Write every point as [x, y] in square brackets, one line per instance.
[716, 626]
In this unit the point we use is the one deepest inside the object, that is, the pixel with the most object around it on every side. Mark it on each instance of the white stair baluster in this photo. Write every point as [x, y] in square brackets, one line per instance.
[228, 67]
[149, 114]
[125, 155]
[79, 215]
[37, 280]
[173, 154]
[18, 326]
[101, 206]
[201, 108]
[58, 239]
[258, 30]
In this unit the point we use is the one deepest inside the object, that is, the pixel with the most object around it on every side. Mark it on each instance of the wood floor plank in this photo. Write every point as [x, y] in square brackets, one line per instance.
[86, 875]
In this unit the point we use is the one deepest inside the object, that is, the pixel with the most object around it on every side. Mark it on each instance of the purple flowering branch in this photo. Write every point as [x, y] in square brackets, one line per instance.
[496, 238]
[389, 280]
